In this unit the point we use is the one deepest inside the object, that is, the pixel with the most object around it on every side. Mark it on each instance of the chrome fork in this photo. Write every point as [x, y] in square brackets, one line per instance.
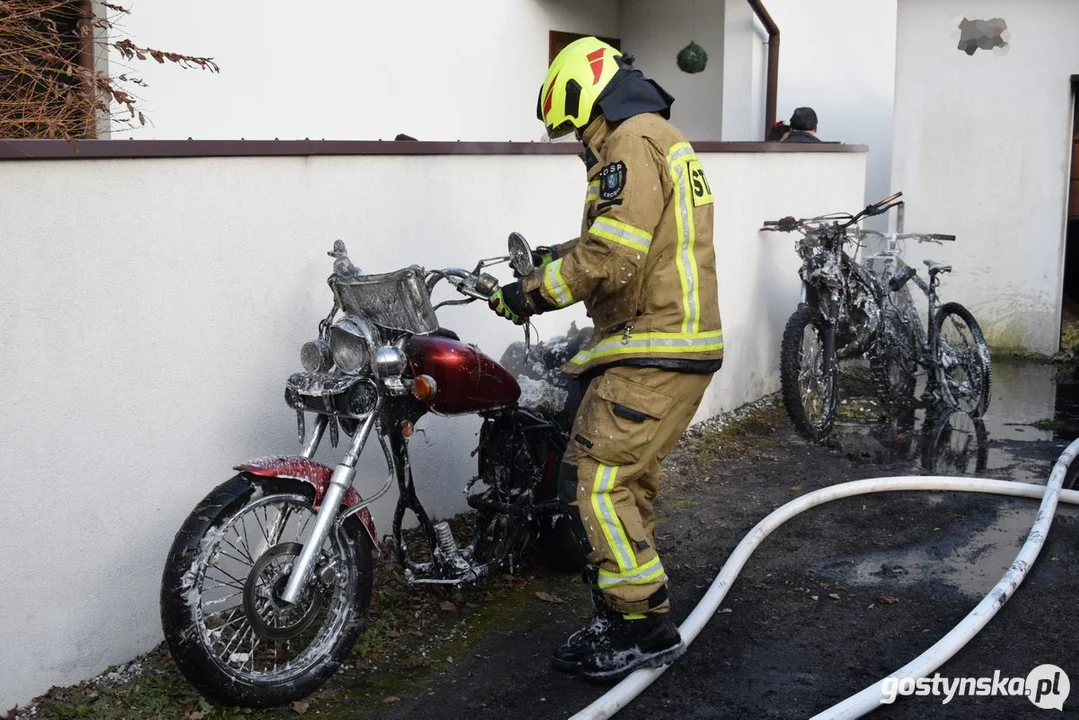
[340, 482]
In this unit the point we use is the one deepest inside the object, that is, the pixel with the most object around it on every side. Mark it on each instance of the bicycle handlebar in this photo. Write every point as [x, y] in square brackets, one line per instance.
[920, 237]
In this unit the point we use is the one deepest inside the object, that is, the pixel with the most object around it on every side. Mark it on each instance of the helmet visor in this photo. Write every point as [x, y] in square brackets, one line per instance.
[561, 131]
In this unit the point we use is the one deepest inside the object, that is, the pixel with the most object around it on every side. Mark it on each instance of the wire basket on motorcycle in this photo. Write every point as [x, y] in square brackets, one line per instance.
[397, 300]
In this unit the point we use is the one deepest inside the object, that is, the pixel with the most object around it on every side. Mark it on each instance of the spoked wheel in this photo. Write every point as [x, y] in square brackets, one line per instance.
[508, 539]
[810, 396]
[964, 371]
[894, 360]
[228, 628]
[955, 443]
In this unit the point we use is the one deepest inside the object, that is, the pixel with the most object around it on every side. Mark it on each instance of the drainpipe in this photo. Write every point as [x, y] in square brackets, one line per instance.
[772, 86]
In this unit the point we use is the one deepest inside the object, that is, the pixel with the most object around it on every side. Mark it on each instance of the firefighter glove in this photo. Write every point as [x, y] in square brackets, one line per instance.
[509, 302]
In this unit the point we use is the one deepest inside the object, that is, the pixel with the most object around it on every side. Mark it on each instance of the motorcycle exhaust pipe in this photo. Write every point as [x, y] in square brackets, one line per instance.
[340, 482]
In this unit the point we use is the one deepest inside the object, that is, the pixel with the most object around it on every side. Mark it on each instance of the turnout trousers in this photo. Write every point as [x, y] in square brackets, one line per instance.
[628, 421]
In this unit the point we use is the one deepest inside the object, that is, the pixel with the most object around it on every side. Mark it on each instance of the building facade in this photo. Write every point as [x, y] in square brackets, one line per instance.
[984, 126]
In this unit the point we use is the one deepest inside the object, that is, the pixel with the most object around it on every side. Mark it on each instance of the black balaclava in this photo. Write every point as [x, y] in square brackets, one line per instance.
[631, 93]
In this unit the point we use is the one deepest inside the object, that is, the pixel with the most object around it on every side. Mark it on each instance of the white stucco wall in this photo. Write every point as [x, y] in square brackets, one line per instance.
[655, 32]
[838, 57]
[152, 310]
[743, 82]
[758, 273]
[982, 150]
[343, 70]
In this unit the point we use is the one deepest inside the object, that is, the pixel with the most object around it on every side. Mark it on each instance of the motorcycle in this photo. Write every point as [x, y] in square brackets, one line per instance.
[839, 317]
[266, 584]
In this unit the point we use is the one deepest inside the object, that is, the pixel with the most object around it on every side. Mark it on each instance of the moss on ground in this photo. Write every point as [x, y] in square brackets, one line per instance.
[412, 635]
[1064, 426]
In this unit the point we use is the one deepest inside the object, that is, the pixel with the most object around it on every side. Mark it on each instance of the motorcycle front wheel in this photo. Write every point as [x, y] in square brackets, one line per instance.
[225, 624]
[810, 395]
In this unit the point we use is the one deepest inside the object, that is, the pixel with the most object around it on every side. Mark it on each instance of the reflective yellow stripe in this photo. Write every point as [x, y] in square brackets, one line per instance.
[556, 286]
[678, 160]
[650, 572]
[593, 191]
[608, 518]
[651, 344]
[621, 233]
[679, 151]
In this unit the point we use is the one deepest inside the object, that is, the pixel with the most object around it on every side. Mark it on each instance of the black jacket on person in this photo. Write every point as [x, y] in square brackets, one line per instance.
[800, 136]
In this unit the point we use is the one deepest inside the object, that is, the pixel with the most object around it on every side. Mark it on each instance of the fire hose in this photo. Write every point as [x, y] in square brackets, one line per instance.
[869, 699]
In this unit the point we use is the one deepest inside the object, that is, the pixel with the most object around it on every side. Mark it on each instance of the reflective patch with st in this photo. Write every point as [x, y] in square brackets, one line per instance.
[702, 193]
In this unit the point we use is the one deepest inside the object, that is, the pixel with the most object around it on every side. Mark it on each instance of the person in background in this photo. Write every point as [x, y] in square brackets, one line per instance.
[803, 127]
[778, 132]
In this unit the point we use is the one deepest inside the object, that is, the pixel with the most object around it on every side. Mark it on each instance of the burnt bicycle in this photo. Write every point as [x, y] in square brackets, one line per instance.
[950, 352]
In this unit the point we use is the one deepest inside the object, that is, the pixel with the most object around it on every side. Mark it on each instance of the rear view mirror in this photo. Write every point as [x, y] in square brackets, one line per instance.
[520, 255]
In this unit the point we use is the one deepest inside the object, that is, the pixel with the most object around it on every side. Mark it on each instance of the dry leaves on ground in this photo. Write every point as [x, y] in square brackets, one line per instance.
[550, 598]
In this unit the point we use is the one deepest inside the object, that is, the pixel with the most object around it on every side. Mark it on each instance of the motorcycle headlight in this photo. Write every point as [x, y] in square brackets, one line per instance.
[315, 356]
[389, 362]
[351, 343]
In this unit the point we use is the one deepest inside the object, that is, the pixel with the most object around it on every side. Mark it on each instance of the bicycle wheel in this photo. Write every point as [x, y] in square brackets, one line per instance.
[955, 443]
[964, 368]
[810, 397]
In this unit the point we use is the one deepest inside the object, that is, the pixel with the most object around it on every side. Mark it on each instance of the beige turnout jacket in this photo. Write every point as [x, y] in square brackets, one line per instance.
[644, 265]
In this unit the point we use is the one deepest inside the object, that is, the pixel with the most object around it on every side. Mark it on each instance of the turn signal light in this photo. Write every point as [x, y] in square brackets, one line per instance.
[424, 387]
[407, 429]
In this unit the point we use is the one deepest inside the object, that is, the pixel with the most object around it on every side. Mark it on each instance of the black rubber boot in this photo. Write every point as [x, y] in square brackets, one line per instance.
[588, 640]
[585, 642]
[630, 645]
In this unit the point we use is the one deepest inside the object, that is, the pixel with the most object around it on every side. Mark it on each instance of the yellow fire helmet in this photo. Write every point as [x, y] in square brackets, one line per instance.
[575, 81]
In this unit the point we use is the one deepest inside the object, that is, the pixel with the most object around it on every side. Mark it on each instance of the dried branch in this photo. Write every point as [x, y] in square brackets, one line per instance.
[49, 86]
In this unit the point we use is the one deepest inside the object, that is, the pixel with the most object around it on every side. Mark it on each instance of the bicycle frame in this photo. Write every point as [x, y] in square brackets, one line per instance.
[890, 255]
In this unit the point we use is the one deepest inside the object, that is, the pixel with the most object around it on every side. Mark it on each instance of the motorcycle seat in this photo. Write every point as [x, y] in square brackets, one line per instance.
[936, 267]
[446, 333]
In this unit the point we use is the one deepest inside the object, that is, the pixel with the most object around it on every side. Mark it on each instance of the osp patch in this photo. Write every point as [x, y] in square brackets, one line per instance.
[612, 180]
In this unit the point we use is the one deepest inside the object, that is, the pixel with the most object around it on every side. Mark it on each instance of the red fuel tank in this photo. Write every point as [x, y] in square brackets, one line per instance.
[468, 381]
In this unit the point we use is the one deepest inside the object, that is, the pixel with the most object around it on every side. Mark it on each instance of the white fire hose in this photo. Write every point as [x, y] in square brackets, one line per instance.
[869, 699]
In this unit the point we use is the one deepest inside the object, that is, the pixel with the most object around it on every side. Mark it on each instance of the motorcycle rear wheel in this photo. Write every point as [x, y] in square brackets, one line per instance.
[227, 629]
[893, 361]
[560, 546]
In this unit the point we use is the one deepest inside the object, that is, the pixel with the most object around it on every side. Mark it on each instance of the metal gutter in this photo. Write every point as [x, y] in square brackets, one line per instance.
[772, 83]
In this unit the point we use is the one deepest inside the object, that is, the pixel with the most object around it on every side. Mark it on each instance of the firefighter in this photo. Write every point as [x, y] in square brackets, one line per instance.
[645, 269]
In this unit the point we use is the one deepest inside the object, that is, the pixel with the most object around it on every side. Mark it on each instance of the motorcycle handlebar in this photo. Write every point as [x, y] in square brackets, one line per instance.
[786, 224]
[471, 285]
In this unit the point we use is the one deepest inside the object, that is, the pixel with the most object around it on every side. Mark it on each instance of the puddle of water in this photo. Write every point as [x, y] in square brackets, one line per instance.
[1033, 415]
[972, 569]
[1023, 393]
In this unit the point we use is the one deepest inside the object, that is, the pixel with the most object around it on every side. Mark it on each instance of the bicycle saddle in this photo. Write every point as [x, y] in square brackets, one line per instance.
[936, 267]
